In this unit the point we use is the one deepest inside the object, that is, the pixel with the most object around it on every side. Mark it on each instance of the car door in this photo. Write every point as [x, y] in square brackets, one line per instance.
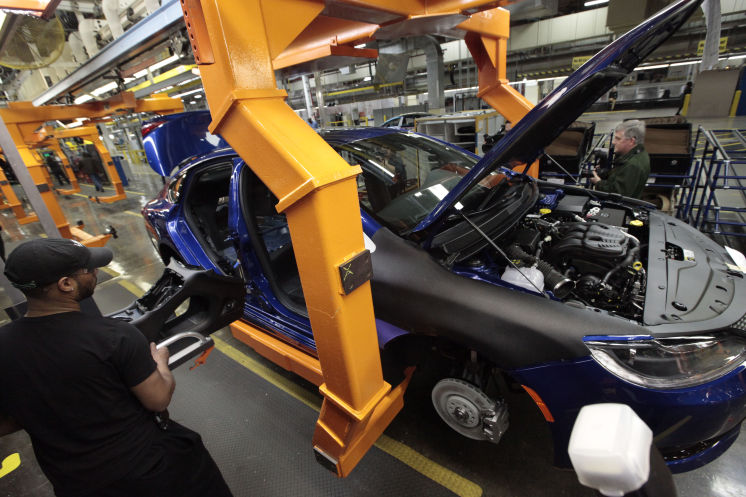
[261, 236]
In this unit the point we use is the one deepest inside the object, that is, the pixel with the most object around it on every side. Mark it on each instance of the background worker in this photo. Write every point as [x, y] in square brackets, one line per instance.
[631, 162]
[85, 387]
[88, 166]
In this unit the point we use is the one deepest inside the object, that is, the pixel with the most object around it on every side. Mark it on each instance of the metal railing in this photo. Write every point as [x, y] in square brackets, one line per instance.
[706, 202]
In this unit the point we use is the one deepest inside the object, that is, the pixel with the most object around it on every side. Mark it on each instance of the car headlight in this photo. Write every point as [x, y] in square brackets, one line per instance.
[668, 363]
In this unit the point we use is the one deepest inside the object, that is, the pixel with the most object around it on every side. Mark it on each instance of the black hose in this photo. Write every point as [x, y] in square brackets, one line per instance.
[556, 282]
[631, 257]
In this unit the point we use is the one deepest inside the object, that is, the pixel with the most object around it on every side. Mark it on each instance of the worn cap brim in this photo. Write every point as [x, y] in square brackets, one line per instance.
[100, 257]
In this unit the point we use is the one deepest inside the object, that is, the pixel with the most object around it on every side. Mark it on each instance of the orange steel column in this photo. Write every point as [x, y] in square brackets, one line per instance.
[487, 40]
[36, 169]
[317, 190]
[74, 186]
[13, 203]
[116, 181]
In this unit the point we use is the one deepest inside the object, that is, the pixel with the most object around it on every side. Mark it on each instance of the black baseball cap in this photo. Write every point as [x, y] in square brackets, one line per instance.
[37, 263]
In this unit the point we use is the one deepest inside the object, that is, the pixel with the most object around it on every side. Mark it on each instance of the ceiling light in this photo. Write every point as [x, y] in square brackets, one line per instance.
[157, 65]
[687, 63]
[591, 3]
[185, 93]
[645, 68]
[198, 96]
[362, 45]
[83, 98]
[457, 90]
[737, 57]
[103, 89]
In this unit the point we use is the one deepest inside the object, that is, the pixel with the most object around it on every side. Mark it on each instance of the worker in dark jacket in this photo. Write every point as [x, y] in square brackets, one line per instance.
[631, 162]
[88, 165]
[85, 387]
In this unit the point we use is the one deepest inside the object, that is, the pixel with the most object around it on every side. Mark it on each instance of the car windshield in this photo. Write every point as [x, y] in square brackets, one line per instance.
[405, 175]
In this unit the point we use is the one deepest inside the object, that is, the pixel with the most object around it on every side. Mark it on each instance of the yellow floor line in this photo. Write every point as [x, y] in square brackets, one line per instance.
[131, 213]
[432, 470]
[109, 271]
[132, 288]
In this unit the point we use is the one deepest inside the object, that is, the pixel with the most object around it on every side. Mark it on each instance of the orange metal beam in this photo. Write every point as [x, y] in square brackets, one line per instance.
[317, 191]
[316, 188]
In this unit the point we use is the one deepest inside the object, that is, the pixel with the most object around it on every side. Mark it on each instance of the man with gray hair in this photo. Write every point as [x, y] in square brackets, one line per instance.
[631, 162]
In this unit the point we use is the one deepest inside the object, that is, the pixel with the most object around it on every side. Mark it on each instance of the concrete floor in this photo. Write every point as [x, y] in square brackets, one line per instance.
[519, 466]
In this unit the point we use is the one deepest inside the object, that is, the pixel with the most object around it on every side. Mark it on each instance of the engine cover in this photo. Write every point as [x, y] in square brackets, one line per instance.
[590, 241]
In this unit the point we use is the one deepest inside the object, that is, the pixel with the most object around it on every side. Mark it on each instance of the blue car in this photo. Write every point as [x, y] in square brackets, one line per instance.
[578, 296]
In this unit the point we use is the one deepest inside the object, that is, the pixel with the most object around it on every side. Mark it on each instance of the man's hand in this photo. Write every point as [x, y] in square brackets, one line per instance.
[156, 390]
[160, 356]
[594, 177]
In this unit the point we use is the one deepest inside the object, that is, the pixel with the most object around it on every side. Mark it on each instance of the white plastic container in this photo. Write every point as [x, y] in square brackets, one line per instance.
[610, 449]
[521, 277]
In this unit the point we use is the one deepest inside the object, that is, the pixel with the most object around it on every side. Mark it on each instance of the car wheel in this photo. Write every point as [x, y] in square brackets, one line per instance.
[469, 411]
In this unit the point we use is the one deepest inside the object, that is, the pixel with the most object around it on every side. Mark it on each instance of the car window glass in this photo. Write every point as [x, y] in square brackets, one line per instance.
[404, 175]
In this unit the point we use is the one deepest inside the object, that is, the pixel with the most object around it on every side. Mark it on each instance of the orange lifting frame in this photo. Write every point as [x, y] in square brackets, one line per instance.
[23, 120]
[238, 44]
[89, 133]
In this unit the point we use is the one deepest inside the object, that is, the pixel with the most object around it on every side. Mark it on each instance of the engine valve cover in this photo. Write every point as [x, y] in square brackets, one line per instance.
[590, 240]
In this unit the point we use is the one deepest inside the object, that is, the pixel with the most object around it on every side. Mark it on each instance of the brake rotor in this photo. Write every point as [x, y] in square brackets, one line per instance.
[462, 406]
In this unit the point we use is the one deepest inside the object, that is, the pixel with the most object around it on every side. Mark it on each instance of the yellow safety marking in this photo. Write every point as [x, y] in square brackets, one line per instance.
[133, 213]
[136, 193]
[132, 288]
[109, 271]
[10, 463]
[432, 470]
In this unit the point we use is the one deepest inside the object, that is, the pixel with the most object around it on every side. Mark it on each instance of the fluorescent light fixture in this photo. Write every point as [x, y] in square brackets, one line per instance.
[645, 68]
[733, 57]
[367, 78]
[458, 90]
[103, 89]
[157, 65]
[198, 96]
[687, 63]
[185, 93]
[362, 45]
[591, 3]
[187, 81]
[83, 98]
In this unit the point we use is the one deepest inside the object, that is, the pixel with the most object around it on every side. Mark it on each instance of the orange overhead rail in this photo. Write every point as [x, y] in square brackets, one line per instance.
[316, 188]
[23, 121]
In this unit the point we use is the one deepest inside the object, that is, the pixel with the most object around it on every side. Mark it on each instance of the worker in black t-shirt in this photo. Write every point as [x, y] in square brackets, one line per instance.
[85, 387]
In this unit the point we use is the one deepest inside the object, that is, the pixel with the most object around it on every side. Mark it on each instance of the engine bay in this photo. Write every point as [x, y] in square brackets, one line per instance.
[574, 248]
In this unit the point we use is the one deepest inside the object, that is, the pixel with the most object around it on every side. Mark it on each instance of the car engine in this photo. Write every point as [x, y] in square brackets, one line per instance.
[586, 251]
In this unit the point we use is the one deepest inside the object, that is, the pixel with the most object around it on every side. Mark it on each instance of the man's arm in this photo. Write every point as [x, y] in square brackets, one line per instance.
[8, 425]
[155, 391]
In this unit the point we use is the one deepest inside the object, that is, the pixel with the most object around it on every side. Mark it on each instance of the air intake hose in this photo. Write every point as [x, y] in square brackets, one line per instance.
[556, 282]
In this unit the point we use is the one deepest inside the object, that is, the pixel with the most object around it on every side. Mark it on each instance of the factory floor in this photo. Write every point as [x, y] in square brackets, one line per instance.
[257, 420]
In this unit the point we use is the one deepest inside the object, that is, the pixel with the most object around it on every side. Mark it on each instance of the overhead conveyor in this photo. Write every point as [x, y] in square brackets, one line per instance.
[316, 188]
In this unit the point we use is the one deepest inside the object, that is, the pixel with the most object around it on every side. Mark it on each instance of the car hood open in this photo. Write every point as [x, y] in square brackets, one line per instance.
[567, 102]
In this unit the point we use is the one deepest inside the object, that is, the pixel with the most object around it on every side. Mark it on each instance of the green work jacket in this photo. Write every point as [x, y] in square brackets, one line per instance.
[629, 174]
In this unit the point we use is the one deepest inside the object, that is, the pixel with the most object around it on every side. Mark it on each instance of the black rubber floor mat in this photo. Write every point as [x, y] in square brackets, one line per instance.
[260, 438]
